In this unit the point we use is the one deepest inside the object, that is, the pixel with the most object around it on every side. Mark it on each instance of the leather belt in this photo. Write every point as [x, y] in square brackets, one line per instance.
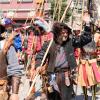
[58, 70]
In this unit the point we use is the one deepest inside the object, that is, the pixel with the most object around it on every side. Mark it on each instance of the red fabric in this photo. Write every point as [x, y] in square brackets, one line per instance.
[76, 53]
[49, 36]
[39, 42]
[30, 40]
[85, 75]
[96, 71]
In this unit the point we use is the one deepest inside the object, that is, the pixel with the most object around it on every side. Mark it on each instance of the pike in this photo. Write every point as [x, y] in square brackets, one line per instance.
[90, 10]
[66, 9]
[32, 49]
[34, 80]
[90, 7]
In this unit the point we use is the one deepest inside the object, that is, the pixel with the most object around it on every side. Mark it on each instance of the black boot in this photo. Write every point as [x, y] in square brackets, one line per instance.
[93, 92]
[85, 93]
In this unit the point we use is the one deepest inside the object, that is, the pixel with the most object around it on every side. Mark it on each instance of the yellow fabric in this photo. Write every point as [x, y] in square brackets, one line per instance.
[89, 73]
[39, 1]
[3, 95]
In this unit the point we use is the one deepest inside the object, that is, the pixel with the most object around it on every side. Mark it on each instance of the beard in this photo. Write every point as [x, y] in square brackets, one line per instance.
[64, 39]
[61, 39]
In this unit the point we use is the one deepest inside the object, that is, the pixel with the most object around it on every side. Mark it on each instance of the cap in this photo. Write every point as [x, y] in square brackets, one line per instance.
[6, 21]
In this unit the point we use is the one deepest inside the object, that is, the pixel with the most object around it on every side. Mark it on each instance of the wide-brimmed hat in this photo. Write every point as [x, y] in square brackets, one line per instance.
[42, 23]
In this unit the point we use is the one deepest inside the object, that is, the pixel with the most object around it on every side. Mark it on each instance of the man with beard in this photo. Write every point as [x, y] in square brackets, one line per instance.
[61, 60]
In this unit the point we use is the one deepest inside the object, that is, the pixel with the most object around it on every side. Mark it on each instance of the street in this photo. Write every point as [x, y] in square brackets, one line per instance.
[79, 95]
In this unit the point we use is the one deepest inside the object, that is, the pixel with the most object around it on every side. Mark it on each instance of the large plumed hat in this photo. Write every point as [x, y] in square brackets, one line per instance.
[42, 23]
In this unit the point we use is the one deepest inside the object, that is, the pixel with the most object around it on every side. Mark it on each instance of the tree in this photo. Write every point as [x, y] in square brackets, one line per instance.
[57, 10]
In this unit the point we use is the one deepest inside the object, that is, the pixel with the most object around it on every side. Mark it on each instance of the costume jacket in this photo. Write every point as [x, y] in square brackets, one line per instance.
[69, 45]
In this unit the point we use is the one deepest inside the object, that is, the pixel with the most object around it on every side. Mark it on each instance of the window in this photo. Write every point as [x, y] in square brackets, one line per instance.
[25, 0]
[4, 1]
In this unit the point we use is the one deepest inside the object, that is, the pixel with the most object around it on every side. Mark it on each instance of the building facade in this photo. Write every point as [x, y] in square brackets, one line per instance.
[23, 9]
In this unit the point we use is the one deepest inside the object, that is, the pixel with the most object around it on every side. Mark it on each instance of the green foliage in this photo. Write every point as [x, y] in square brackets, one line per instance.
[63, 6]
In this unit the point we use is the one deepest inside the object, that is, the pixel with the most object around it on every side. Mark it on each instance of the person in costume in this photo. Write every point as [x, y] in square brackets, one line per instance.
[9, 67]
[89, 75]
[37, 36]
[9, 28]
[61, 60]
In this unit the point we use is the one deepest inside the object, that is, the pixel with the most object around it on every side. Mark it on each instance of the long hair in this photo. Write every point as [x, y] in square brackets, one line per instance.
[58, 27]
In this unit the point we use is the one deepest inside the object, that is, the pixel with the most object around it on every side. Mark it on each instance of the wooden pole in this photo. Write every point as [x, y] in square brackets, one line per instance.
[64, 14]
[55, 9]
[28, 16]
[73, 12]
[26, 20]
[34, 80]
[41, 8]
[9, 5]
[40, 12]
[82, 15]
[32, 49]
[55, 2]
[77, 6]
[17, 9]
[59, 11]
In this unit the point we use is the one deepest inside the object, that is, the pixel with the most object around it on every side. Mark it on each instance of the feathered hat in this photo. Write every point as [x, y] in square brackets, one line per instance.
[42, 23]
